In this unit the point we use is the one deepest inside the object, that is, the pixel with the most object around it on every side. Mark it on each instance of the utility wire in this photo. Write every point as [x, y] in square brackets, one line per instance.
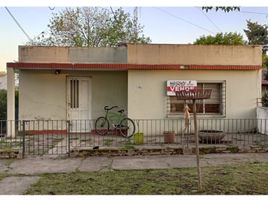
[18, 24]
[251, 12]
[215, 25]
[182, 19]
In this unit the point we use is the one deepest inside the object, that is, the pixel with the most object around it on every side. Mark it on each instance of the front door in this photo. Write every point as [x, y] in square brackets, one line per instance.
[79, 103]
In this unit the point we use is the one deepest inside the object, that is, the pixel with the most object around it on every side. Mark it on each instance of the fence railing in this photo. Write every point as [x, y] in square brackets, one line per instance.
[259, 102]
[39, 137]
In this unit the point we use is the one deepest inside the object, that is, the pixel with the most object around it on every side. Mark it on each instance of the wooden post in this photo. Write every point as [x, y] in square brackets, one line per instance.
[197, 146]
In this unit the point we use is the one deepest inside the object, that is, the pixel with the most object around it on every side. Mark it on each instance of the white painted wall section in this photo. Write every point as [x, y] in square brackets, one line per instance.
[11, 102]
[147, 96]
[43, 94]
[262, 117]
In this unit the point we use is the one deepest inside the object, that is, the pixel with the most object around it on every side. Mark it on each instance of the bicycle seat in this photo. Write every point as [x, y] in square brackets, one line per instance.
[121, 111]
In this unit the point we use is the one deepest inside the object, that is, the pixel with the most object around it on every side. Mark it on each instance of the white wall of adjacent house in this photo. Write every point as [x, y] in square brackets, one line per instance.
[43, 95]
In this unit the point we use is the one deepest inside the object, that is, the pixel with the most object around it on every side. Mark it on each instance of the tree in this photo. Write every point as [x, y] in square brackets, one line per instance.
[91, 27]
[3, 104]
[221, 39]
[264, 100]
[257, 34]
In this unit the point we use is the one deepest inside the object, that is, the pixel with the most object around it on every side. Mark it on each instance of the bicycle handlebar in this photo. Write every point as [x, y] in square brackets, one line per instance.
[107, 107]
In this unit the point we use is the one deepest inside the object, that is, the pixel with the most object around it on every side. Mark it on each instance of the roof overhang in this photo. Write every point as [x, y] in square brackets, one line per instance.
[116, 67]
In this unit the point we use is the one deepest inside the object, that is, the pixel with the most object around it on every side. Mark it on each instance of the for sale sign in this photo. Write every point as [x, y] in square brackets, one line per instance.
[174, 86]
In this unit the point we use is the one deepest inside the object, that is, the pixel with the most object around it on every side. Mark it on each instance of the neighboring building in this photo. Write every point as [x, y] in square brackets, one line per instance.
[60, 83]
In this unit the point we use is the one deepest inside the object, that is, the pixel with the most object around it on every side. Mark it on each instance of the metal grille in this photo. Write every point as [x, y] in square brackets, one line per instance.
[195, 94]
[74, 92]
[42, 137]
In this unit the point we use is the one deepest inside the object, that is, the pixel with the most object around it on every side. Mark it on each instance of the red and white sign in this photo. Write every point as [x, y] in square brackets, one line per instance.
[174, 86]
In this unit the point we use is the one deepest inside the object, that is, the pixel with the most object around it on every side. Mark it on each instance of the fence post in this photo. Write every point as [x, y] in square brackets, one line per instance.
[68, 124]
[265, 127]
[23, 138]
[197, 147]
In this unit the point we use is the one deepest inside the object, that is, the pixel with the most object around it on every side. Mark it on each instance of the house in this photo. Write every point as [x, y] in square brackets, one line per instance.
[66, 83]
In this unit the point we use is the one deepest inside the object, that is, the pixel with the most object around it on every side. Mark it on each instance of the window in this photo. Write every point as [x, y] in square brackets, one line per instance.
[214, 105]
[74, 91]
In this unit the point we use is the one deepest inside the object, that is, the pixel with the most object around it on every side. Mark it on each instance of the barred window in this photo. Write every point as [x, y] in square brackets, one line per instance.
[214, 105]
[74, 91]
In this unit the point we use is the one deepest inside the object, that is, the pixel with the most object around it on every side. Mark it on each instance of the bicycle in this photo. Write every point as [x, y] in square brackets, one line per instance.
[119, 121]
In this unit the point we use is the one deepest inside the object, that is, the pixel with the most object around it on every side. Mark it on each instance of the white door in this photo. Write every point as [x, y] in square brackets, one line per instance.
[79, 103]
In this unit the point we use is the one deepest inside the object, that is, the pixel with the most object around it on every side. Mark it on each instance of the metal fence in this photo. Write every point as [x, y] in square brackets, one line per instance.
[41, 137]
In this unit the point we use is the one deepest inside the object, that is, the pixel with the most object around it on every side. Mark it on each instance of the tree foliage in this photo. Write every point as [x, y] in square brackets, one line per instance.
[221, 39]
[3, 104]
[265, 61]
[223, 8]
[265, 99]
[256, 33]
[91, 27]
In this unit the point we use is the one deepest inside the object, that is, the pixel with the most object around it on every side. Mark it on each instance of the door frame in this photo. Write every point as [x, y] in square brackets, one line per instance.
[68, 94]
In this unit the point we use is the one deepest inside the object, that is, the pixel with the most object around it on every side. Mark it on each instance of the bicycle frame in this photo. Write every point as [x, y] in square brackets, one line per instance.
[114, 118]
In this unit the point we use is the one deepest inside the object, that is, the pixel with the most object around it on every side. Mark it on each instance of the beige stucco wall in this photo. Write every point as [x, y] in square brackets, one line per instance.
[146, 54]
[194, 54]
[38, 54]
[43, 94]
[33, 54]
[148, 100]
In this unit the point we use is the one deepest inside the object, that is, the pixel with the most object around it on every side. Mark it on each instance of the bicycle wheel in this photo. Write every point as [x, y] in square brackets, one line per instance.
[102, 126]
[127, 127]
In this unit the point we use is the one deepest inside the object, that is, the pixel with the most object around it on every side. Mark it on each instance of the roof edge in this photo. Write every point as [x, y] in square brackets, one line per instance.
[109, 66]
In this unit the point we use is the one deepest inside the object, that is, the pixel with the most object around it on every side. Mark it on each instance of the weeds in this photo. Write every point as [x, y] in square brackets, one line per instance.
[236, 179]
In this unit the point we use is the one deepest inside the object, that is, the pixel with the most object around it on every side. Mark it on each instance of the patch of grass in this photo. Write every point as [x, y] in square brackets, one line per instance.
[9, 162]
[233, 149]
[237, 179]
[3, 175]
[6, 149]
[8, 144]
[107, 142]
[128, 145]
[262, 145]
[85, 140]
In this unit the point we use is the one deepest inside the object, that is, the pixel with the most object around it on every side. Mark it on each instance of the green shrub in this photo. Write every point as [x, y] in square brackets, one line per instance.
[3, 104]
[265, 99]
